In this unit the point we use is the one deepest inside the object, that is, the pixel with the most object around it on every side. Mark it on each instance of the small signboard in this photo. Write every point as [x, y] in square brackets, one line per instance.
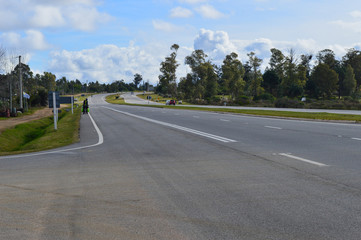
[50, 99]
[65, 100]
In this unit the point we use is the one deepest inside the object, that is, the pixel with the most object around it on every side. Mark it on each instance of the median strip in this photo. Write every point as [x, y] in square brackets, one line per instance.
[208, 135]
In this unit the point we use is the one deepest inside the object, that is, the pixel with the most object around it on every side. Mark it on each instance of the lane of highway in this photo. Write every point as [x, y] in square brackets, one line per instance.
[150, 180]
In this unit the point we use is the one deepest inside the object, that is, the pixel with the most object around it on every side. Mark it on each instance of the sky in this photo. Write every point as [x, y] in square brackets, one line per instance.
[109, 40]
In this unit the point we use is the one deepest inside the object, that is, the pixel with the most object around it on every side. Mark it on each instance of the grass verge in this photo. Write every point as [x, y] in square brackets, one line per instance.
[115, 99]
[40, 135]
[269, 113]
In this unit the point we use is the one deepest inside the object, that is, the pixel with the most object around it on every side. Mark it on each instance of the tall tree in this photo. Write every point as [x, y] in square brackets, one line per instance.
[196, 61]
[295, 76]
[349, 83]
[255, 88]
[271, 81]
[277, 62]
[327, 57]
[137, 79]
[48, 81]
[325, 80]
[167, 78]
[353, 57]
[232, 75]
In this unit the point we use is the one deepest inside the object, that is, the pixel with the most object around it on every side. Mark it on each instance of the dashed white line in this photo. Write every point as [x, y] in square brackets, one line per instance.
[303, 159]
[358, 139]
[273, 127]
[224, 120]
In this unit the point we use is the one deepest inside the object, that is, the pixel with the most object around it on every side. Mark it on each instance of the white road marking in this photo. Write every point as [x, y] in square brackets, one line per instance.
[358, 139]
[100, 141]
[224, 120]
[303, 159]
[204, 134]
[273, 127]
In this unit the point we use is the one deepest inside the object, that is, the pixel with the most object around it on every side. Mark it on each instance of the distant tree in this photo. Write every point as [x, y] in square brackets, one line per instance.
[327, 57]
[255, 84]
[295, 76]
[349, 83]
[232, 75]
[271, 81]
[277, 62]
[211, 80]
[48, 81]
[195, 61]
[325, 80]
[353, 57]
[62, 85]
[167, 78]
[137, 79]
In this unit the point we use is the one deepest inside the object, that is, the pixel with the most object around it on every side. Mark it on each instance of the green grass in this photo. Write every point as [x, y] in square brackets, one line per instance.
[112, 99]
[40, 135]
[158, 98]
[270, 113]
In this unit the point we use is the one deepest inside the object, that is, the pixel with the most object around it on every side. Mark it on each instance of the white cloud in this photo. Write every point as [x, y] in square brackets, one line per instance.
[216, 44]
[37, 14]
[32, 40]
[354, 26]
[47, 16]
[163, 26]
[180, 12]
[107, 63]
[356, 14]
[208, 11]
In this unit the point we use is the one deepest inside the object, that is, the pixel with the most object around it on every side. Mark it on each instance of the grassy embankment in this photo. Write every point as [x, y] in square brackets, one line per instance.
[40, 135]
[269, 113]
[158, 98]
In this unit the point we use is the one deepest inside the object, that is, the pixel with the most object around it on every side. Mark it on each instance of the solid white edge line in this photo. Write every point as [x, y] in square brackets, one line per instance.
[303, 160]
[219, 138]
[100, 141]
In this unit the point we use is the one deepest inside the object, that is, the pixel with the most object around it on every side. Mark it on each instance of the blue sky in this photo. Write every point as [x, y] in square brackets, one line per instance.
[107, 40]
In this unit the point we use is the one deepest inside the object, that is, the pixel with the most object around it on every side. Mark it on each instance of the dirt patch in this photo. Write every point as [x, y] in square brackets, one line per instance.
[12, 122]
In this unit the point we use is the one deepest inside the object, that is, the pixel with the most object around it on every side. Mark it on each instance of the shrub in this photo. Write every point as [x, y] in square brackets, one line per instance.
[286, 102]
[243, 100]
[264, 96]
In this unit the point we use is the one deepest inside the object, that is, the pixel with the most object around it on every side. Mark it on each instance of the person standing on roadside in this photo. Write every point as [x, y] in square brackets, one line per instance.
[85, 106]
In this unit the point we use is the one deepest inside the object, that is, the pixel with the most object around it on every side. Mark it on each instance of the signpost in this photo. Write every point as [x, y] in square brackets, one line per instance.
[54, 103]
[55, 100]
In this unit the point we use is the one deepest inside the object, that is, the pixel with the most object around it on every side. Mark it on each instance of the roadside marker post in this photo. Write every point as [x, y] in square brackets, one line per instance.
[55, 112]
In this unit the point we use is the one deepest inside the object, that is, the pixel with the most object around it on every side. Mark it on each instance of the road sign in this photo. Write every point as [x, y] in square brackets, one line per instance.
[50, 99]
[65, 100]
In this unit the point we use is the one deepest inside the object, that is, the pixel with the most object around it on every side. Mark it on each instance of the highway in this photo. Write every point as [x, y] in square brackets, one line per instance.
[152, 173]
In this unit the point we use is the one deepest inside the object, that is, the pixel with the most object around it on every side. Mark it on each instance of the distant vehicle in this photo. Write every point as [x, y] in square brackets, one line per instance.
[172, 102]
[167, 102]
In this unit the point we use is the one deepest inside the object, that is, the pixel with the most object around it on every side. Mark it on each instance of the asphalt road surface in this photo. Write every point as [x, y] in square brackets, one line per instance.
[149, 173]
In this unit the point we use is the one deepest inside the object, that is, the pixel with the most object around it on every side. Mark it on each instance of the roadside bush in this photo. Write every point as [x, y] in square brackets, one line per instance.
[243, 100]
[286, 102]
[264, 96]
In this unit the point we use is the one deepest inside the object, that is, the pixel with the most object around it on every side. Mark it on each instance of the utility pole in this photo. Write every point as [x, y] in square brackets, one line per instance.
[21, 83]
[11, 93]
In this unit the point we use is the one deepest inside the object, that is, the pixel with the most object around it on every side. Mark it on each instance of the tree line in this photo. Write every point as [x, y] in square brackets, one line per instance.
[286, 76]
[38, 86]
